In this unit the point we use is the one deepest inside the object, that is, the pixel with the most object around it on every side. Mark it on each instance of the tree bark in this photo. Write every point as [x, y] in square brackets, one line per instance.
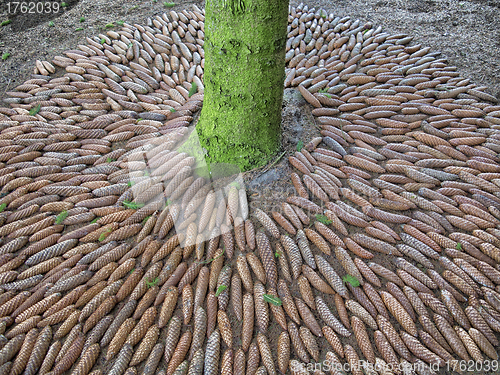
[245, 40]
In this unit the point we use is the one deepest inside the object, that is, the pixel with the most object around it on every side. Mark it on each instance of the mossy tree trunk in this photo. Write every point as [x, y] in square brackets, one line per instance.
[244, 47]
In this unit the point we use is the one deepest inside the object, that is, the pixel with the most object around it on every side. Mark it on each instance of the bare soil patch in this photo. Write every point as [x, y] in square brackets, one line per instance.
[466, 32]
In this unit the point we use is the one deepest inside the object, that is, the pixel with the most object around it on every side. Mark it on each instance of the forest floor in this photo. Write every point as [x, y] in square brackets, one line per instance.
[466, 32]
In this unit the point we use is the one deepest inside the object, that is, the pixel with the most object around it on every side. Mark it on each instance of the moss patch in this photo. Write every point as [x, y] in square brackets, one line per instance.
[240, 122]
[245, 156]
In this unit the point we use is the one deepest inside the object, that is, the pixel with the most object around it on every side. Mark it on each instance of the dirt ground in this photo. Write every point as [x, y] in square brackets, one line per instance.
[466, 32]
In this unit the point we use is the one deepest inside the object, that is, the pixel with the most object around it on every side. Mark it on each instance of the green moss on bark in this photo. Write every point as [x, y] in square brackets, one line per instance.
[244, 47]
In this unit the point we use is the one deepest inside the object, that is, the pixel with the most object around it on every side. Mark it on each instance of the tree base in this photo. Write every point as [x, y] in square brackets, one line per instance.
[240, 122]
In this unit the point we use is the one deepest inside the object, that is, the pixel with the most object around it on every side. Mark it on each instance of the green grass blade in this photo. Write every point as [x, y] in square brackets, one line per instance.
[272, 299]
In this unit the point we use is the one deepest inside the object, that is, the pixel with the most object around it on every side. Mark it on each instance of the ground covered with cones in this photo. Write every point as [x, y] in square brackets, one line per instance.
[119, 255]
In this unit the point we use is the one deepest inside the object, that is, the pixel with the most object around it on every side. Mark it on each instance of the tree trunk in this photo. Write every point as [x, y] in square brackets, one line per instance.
[244, 48]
